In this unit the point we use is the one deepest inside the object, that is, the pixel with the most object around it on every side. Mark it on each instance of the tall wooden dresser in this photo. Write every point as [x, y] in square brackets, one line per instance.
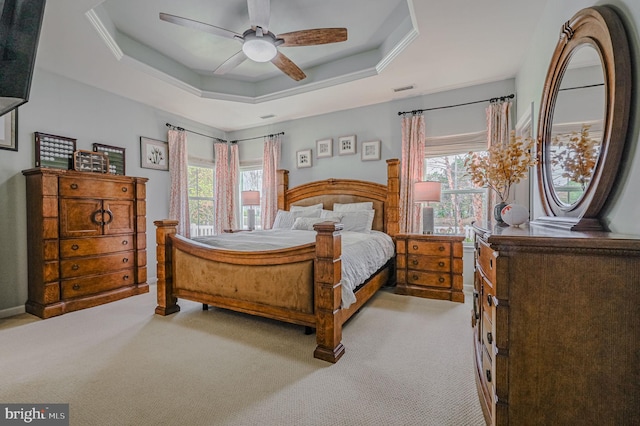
[556, 322]
[86, 239]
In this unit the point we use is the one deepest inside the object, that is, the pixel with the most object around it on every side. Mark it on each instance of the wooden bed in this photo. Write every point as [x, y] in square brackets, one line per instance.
[299, 285]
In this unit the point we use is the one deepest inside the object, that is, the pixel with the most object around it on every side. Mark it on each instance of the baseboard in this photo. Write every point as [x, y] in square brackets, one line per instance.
[9, 312]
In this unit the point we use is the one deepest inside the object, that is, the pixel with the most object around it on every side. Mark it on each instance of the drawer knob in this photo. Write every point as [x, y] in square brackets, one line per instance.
[415, 277]
[441, 248]
[441, 279]
[75, 267]
[415, 247]
[74, 186]
[415, 262]
[126, 277]
[75, 247]
[488, 374]
[76, 287]
[489, 300]
[125, 242]
[124, 189]
[125, 260]
[441, 264]
[489, 337]
[490, 263]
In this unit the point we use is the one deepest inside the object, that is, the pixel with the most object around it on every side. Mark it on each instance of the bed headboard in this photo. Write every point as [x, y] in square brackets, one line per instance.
[385, 198]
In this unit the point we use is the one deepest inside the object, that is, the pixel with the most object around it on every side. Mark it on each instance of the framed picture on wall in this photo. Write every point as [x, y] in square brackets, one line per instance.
[154, 154]
[115, 155]
[370, 151]
[347, 145]
[303, 158]
[324, 148]
[9, 131]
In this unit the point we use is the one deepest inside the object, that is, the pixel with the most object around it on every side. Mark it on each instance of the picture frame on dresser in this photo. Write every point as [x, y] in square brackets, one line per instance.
[54, 151]
[116, 157]
[154, 154]
[9, 131]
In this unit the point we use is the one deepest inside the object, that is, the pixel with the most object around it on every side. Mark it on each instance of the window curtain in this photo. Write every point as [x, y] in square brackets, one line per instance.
[178, 173]
[498, 132]
[222, 218]
[270, 164]
[411, 170]
[232, 188]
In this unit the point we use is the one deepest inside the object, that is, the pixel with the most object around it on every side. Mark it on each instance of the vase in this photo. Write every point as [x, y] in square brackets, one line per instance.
[514, 215]
[497, 213]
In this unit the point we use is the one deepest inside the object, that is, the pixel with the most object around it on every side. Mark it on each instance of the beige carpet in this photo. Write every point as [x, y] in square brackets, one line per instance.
[408, 361]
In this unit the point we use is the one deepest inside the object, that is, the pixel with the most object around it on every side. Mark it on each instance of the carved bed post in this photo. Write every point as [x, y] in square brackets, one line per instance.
[328, 291]
[167, 304]
[283, 186]
[392, 210]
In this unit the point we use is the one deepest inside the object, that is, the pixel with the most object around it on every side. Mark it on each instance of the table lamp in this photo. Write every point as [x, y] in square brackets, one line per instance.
[251, 198]
[426, 192]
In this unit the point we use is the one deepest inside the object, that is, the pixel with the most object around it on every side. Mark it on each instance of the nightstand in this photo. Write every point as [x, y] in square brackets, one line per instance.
[429, 266]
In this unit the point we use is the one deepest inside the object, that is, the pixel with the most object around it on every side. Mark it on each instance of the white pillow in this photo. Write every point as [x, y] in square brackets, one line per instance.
[353, 207]
[301, 208]
[306, 223]
[359, 221]
[285, 219]
[330, 214]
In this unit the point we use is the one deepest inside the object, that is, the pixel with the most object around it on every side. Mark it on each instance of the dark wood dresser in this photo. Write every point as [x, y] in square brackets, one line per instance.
[556, 322]
[429, 266]
[86, 239]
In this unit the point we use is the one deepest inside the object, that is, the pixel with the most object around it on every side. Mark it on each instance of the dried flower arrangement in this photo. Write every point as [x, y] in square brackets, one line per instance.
[576, 156]
[502, 166]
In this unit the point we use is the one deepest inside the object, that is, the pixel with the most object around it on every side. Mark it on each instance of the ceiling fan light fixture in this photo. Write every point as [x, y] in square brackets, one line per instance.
[259, 49]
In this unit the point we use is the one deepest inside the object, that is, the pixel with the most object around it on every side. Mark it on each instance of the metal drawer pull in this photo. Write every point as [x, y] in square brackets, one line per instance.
[415, 247]
[125, 260]
[489, 300]
[488, 373]
[125, 242]
[415, 277]
[75, 247]
[76, 287]
[75, 267]
[490, 263]
[441, 248]
[124, 189]
[441, 264]
[441, 279]
[489, 337]
[126, 277]
[74, 186]
[415, 262]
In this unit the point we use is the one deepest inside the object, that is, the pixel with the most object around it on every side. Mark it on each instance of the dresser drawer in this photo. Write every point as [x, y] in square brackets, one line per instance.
[81, 187]
[487, 260]
[429, 263]
[487, 377]
[93, 246]
[429, 248]
[94, 265]
[430, 279]
[488, 337]
[77, 287]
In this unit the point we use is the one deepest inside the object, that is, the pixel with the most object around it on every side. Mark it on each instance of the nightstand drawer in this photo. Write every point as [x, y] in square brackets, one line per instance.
[429, 263]
[429, 248]
[430, 279]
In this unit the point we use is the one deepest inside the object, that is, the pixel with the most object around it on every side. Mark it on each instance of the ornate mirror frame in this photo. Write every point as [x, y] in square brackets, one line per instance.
[601, 28]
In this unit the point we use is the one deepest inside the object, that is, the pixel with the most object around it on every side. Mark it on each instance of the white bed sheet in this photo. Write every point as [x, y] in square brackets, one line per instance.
[362, 253]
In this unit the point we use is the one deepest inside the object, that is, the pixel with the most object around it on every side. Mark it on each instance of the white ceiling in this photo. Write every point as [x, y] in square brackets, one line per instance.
[123, 47]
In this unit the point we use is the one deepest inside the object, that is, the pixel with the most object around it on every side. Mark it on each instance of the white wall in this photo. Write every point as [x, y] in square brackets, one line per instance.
[621, 212]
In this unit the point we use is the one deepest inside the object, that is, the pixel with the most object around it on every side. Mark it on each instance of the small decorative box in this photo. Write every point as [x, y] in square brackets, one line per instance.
[89, 161]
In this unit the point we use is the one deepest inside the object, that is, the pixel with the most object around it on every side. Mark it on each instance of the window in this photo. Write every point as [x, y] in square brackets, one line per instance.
[461, 202]
[201, 207]
[250, 180]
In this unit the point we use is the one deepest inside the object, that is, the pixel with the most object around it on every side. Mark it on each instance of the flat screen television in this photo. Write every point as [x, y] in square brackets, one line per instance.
[20, 25]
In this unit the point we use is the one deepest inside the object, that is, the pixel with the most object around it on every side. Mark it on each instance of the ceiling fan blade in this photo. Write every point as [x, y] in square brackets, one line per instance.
[231, 63]
[259, 14]
[287, 66]
[190, 23]
[313, 37]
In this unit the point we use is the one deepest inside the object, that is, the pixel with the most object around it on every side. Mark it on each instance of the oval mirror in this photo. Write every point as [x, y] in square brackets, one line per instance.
[583, 119]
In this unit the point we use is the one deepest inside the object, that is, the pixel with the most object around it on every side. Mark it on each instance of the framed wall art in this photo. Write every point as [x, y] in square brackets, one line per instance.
[303, 158]
[154, 154]
[324, 148]
[347, 145]
[370, 151]
[9, 131]
[54, 151]
[115, 155]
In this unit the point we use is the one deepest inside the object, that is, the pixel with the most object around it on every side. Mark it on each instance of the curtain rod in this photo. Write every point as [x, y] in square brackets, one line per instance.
[257, 137]
[182, 129]
[419, 111]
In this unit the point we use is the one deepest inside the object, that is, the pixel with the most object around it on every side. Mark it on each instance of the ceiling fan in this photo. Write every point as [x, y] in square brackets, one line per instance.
[261, 45]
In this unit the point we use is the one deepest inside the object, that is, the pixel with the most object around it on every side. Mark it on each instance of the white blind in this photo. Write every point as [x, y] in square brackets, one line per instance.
[439, 146]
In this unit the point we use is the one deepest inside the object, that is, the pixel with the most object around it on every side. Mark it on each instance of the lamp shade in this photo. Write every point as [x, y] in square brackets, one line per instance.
[426, 191]
[250, 198]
